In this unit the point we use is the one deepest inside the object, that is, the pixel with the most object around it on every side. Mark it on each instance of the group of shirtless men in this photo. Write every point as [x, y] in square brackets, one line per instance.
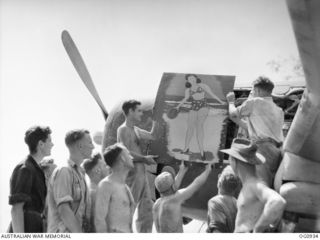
[108, 202]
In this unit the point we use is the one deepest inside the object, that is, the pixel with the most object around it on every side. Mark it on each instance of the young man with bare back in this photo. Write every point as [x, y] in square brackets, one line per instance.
[167, 212]
[114, 202]
[259, 207]
[131, 135]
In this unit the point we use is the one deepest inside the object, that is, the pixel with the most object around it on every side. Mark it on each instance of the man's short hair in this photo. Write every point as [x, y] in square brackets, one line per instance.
[74, 136]
[90, 163]
[228, 182]
[112, 153]
[131, 104]
[35, 134]
[263, 83]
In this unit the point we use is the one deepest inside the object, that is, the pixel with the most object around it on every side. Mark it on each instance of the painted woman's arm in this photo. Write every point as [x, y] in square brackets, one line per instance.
[209, 91]
[186, 97]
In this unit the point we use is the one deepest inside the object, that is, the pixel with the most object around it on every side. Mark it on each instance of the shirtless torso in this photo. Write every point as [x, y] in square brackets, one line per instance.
[249, 210]
[114, 207]
[168, 215]
[129, 137]
[258, 207]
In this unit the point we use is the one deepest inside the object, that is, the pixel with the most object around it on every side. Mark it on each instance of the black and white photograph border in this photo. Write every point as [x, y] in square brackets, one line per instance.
[127, 46]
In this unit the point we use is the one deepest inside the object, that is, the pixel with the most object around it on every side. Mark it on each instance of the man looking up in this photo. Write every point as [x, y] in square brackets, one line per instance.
[167, 211]
[115, 205]
[96, 169]
[259, 207]
[69, 199]
[130, 135]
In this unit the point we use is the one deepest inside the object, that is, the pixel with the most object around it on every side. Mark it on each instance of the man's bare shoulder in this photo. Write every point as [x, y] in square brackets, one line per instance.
[257, 183]
[107, 183]
[258, 188]
[169, 198]
[177, 197]
[249, 189]
[123, 128]
[262, 186]
[170, 202]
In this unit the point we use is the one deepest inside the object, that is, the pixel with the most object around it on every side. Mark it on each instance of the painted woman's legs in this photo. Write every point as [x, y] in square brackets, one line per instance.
[192, 121]
[202, 115]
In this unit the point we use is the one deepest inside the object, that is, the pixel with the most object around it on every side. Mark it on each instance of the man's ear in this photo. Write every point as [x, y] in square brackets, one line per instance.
[79, 145]
[121, 158]
[40, 144]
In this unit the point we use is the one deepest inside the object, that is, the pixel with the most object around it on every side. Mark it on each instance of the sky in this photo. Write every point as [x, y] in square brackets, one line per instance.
[126, 45]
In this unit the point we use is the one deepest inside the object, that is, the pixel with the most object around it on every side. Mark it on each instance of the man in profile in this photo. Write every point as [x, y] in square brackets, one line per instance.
[28, 184]
[259, 207]
[96, 169]
[69, 198]
[115, 204]
[131, 135]
[167, 212]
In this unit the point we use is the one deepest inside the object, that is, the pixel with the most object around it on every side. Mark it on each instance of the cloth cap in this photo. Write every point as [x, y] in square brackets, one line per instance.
[245, 151]
[163, 182]
[169, 169]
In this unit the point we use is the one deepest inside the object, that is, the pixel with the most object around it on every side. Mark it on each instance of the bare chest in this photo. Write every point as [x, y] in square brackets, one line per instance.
[249, 211]
[122, 199]
[133, 138]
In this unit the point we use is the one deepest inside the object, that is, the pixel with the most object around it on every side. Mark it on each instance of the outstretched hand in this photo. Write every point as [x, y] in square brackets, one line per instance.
[209, 166]
[182, 166]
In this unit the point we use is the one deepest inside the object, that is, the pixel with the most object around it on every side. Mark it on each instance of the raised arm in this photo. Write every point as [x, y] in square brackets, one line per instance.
[232, 108]
[185, 193]
[143, 134]
[179, 177]
[274, 206]
[103, 197]
[209, 91]
[240, 122]
[244, 110]
[125, 138]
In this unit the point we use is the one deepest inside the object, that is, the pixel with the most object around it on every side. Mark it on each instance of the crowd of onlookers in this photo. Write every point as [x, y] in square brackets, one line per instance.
[47, 198]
